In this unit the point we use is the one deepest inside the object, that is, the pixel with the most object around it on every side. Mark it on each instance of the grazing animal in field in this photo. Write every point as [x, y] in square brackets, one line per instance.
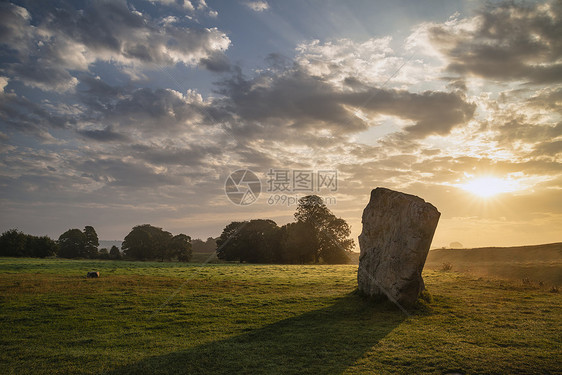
[93, 274]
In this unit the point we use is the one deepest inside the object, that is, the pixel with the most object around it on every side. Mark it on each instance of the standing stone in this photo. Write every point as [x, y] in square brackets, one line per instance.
[397, 232]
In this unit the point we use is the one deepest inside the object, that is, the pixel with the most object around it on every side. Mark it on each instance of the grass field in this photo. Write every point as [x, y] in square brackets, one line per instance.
[168, 318]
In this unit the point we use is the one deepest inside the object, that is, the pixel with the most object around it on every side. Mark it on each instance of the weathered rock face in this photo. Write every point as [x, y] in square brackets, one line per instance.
[397, 232]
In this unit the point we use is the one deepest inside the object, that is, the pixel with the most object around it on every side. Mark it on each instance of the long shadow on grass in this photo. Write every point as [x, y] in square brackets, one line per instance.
[325, 341]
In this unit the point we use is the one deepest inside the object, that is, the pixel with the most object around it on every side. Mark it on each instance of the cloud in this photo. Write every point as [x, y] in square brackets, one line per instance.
[216, 62]
[22, 115]
[191, 155]
[294, 100]
[141, 112]
[127, 172]
[510, 41]
[67, 39]
[187, 4]
[549, 148]
[103, 135]
[257, 6]
[14, 24]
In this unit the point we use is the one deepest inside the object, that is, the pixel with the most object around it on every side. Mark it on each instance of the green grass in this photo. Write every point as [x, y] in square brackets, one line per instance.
[271, 319]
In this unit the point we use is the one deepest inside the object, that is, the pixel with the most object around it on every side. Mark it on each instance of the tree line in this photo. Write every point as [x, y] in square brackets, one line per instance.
[317, 236]
[144, 242]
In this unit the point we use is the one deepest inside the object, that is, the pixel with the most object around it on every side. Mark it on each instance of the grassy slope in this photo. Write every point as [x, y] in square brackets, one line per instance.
[271, 319]
[537, 263]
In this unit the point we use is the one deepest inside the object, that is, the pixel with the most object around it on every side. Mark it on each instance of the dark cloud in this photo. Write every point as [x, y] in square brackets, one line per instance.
[22, 115]
[551, 148]
[193, 155]
[433, 112]
[144, 110]
[14, 25]
[216, 62]
[103, 135]
[548, 98]
[294, 100]
[118, 172]
[520, 129]
[290, 99]
[510, 41]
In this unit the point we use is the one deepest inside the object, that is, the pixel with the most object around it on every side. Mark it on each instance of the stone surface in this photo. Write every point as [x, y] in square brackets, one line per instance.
[93, 274]
[397, 232]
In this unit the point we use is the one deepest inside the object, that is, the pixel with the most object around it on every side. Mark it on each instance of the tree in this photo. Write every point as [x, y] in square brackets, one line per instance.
[254, 241]
[13, 244]
[329, 232]
[211, 245]
[41, 247]
[297, 245]
[200, 246]
[148, 242]
[114, 253]
[228, 248]
[72, 244]
[103, 253]
[92, 242]
[180, 247]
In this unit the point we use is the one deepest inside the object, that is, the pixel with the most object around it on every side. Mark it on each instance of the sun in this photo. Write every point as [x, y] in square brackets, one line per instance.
[487, 187]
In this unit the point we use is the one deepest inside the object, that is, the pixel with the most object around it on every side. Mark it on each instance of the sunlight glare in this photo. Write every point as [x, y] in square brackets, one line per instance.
[487, 187]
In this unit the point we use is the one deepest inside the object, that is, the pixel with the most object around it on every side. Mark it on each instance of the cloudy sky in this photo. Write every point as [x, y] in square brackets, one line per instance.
[118, 113]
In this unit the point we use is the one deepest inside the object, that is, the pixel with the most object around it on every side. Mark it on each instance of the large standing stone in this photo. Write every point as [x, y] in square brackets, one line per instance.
[397, 232]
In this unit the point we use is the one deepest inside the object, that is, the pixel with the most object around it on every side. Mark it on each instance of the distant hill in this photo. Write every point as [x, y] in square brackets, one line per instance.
[546, 252]
[536, 262]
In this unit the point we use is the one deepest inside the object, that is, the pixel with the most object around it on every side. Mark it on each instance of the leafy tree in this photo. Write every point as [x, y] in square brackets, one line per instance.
[228, 248]
[180, 247]
[103, 253]
[138, 244]
[161, 244]
[200, 246]
[329, 232]
[297, 245]
[41, 247]
[114, 253]
[13, 244]
[211, 244]
[149, 242]
[72, 244]
[317, 236]
[92, 242]
[254, 241]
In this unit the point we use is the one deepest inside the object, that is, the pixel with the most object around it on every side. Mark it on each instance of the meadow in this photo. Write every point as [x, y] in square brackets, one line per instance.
[174, 318]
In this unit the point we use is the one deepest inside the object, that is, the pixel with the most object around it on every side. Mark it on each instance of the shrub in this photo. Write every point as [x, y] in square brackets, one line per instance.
[446, 267]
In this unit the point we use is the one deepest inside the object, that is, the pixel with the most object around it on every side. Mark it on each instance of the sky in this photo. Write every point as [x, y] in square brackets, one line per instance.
[120, 113]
